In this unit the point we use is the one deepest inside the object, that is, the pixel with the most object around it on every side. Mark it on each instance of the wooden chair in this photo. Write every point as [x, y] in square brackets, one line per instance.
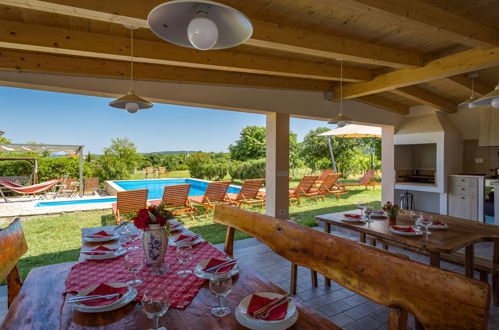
[364, 181]
[161, 170]
[129, 201]
[303, 188]
[149, 171]
[249, 194]
[437, 298]
[69, 187]
[324, 175]
[329, 186]
[214, 194]
[12, 247]
[176, 199]
[92, 185]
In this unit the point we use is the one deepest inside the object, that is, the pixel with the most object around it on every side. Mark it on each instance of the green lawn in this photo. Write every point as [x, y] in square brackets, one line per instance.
[55, 239]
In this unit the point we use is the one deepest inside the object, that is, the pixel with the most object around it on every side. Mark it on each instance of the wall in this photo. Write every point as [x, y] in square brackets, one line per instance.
[487, 157]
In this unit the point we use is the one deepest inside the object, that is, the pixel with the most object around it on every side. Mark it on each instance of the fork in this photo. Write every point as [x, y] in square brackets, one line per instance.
[267, 313]
[92, 297]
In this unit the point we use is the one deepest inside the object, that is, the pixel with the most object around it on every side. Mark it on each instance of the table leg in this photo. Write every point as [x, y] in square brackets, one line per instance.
[327, 228]
[469, 257]
[495, 274]
[362, 237]
[435, 259]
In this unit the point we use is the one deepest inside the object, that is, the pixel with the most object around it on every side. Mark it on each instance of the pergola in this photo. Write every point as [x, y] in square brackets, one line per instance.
[399, 56]
[41, 148]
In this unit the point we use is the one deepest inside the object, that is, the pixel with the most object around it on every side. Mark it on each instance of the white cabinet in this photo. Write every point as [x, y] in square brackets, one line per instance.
[465, 197]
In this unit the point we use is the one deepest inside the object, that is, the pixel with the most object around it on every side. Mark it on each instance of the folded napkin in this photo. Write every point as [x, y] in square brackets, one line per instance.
[215, 262]
[104, 289]
[353, 216]
[181, 237]
[100, 234]
[405, 229]
[98, 250]
[258, 302]
[439, 223]
[175, 226]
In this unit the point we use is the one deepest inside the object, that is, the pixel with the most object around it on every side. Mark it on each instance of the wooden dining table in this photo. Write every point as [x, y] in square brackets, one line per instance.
[461, 233]
[42, 304]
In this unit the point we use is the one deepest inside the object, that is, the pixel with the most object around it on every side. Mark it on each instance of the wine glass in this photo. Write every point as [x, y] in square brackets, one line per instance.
[425, 222]
[133, 237]
[183, 253]
[414, 216]
[362, 207]
[220, 286]
[134, 261]
[154, 308]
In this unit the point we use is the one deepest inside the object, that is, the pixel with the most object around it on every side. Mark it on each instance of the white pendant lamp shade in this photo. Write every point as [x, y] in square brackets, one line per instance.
[131, 103]
[200, 24]
[489, 99]
[340, 120]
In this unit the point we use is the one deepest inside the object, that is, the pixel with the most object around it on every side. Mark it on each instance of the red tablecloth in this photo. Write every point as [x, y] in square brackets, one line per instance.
[180, 290]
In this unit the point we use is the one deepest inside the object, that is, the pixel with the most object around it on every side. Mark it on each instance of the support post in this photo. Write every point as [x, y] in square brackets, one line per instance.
[80, 153]
[330, 145]
[35, 171]
[277, 168]
[387, 164]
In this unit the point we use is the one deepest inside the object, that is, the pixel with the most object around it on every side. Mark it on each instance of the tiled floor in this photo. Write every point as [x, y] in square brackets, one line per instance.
[345, 308]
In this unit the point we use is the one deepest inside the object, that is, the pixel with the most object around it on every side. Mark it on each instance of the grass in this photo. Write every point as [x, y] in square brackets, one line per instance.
[56, 239]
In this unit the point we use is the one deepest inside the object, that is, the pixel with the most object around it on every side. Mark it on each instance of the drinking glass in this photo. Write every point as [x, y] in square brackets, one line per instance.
[123, 232]
[425, 222]
[154, 308]
[362, 207]
[133, 237]
[220, 286]
[134, 261]
[414, 216]
[183, 253]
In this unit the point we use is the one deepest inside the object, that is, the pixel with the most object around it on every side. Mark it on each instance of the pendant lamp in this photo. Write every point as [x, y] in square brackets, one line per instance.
[472, 98]
[131, 102]
[489, 99]
[341, 120]
[200, 24]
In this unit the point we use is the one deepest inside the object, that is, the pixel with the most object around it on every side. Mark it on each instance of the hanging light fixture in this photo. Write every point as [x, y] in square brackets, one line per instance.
[200, 24]
[472, 98]
[341, 120]
[131, 102]
[489, 99]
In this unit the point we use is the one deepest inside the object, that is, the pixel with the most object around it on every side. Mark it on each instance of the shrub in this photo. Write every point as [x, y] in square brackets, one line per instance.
[206, 166]
[251, 169]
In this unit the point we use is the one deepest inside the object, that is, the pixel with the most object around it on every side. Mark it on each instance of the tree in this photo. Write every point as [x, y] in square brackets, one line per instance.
[119, 160]
[314, 150]
[4, 140]
[251, 144]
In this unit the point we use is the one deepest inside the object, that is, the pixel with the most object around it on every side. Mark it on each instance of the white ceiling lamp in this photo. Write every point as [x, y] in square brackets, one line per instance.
[200, 24]
[131, 102]
[472, 98]
[489, 99]
[341, 120]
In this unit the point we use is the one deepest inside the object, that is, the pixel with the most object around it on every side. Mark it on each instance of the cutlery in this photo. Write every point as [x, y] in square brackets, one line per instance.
[123, 223]
[272, 305]
[221, 265]
[189, 238]
[92, 297]
[226, 265]
[265, 314]
[99, 252]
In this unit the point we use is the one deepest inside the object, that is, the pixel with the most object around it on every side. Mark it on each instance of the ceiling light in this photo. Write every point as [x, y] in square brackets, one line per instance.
[200, 24]
[469, 102]
[131, 102]
[340, 120]
[489, 99]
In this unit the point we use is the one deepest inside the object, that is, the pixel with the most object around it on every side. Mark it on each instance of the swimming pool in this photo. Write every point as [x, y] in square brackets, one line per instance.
[155, 187]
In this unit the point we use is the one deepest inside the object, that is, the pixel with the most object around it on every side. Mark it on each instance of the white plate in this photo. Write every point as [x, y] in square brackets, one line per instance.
[102, 239]
[125, 299]
[117, 253]
[439, 226]
[199, 272]
[405, 233]
[178, 226]
[348, 219]
[172, 242]
[244, 319]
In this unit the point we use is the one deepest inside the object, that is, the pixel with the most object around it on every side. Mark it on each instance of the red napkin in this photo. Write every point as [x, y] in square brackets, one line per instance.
[354, 216]
[258, 302]
[215, 262]
[100, 248]
[181, 237]
[175, 226]
[404, 229]
[104, 289]
[100, 234]
[439, 223]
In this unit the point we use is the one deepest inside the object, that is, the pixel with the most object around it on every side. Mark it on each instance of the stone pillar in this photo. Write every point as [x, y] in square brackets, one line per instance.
[277, 176]
[387, 164]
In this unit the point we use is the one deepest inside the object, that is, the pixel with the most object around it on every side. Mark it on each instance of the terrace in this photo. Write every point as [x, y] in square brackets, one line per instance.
[405, 67]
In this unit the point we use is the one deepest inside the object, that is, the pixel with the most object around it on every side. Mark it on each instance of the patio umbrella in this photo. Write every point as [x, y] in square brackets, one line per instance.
[352, 130]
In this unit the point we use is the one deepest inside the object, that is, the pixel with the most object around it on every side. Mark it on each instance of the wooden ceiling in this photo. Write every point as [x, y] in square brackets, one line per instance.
[396, 53]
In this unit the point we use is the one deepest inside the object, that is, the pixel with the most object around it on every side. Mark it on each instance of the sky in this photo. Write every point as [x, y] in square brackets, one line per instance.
[59, 118]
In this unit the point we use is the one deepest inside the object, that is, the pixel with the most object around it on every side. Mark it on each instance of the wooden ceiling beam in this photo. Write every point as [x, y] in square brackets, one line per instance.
[479, 87]
[384, 103]
[423, 96]
[463, 62]
[266, 35]
[32, 37]
[453, 27]
[61, 64]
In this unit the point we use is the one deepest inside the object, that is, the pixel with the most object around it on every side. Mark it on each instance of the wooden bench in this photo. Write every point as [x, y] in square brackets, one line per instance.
[437, 298]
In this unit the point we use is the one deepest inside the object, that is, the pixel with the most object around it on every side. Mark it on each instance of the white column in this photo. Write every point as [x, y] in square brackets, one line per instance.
[277, 170]
[387, 164]
[80, 153]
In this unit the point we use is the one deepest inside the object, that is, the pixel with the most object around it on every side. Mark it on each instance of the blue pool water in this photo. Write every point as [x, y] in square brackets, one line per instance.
[155, 188]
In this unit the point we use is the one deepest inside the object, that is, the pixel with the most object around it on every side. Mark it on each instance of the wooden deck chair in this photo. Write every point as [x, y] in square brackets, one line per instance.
[69, 187]
[249, 194]
[303, 188]
[176, 200]
[324, 175]
[161, 170]
[215, 194]
[92, 185]
[364, 181]
[329, 186]
[12, 247]
[438, 299]
[129, 201]
[149, 171]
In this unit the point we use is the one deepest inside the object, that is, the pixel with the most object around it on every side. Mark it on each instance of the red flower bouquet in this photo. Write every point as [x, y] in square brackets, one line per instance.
[391, 209]
[151, 216]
